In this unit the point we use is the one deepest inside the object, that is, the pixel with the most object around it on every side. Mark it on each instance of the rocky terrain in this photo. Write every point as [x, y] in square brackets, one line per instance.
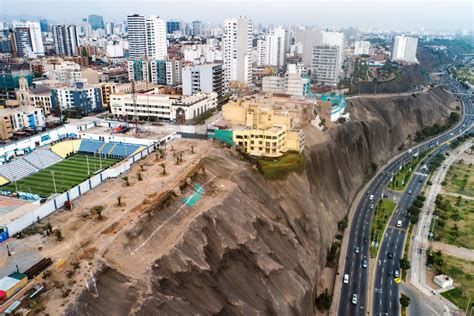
[252, 246]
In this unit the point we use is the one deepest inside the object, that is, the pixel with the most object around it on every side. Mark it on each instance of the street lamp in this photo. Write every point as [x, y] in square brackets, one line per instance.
[54, 181]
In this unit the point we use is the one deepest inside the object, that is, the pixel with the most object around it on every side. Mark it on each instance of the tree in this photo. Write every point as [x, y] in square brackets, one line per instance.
[98, 210]
[139, 176]
[59, 235]
[126, 180]
[119, 200]
[48, 228]
[404, 300]
[342, 224]
[192, 149]
[163, 165]
[142, 167]
[405, 264]
[323, 300]
[84, 52]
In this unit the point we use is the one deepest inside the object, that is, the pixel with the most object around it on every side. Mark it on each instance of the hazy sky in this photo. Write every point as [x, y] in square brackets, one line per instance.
[386, 14]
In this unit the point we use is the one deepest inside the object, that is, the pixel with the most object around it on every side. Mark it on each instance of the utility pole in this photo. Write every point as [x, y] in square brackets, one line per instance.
[54, 181]
[88, 169]
[134, 101]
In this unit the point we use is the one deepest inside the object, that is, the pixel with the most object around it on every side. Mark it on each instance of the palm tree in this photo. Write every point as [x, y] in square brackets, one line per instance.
[139, 176]
[192, 149]
[126, 180]
[119, 200]
[163, 165]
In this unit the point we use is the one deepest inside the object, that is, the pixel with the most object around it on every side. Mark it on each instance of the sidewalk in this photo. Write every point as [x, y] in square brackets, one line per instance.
[420, 242]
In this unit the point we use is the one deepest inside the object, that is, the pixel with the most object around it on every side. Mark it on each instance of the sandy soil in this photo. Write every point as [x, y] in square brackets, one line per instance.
[86, 236]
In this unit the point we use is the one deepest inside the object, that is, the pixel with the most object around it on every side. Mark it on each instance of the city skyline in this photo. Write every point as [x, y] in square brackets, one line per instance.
[402, 15]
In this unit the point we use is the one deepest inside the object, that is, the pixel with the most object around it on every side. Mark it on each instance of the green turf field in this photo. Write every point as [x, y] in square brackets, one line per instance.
[67, 173]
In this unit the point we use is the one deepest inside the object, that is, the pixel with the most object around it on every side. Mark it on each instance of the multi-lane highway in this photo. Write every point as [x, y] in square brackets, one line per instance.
[359, 233]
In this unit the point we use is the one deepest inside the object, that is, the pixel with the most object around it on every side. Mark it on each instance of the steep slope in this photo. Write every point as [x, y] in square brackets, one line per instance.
[252, 246]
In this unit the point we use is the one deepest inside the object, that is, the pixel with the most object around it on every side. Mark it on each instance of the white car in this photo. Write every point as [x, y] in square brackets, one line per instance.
[346, 278]
[371, 197]
[399, 223]
[354, 299]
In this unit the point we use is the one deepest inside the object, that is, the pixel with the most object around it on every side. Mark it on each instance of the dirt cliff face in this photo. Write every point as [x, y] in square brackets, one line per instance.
[252, 246]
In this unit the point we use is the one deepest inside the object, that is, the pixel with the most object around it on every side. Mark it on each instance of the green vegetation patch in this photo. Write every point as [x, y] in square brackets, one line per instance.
[464, 73]
[455, 222]
[279, 168]
[67, 173]
[460, 178]
[402, 177]
[382, 213]
[462, 272]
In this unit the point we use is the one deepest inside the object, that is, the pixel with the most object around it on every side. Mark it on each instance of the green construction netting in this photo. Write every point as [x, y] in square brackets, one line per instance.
[223, 135]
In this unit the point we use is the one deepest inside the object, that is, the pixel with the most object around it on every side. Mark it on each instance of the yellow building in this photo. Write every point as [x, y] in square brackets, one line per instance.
[260, 131]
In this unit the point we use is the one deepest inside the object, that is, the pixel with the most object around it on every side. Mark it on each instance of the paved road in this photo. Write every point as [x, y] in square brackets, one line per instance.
[386, 298]
[360, 226]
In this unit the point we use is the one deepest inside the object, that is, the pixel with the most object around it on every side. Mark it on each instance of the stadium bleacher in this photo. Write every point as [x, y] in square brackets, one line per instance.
[17, 169]
[112, 149]
[123, 150]
[66, 147]
[42, 158]
[90, 146]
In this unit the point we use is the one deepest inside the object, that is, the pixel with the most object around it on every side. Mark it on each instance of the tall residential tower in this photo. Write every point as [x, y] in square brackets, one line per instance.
[237, 57]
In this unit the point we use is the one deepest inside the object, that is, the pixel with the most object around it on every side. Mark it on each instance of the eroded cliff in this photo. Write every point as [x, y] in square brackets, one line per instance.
[252, 246]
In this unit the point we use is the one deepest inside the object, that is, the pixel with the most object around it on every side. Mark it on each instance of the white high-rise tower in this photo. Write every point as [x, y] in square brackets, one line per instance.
[156, 45]
[36, 41]
[238, 50]
[404, 49]
[276, 46]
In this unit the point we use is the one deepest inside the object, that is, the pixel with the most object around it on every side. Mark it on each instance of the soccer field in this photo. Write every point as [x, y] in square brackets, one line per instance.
[67, 173]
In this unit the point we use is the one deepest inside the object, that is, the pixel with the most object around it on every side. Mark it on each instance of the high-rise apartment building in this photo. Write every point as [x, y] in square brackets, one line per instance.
[173, 25]
[109, 28]
[173, 72]
[308, 38]
[404, 49]
[197, 28]
[138, 70]
[237, 43]
[43, 25]
[361, 48]
[34, 45]
[96, 21]
[261, 52]
[66, 39]
[156, 45]
[136, 35]
[326, 65]
[276, 47]
[22, 42]
[146, 37]
[203, 78]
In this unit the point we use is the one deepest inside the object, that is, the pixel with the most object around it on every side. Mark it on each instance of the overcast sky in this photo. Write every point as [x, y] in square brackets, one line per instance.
[383, 14]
